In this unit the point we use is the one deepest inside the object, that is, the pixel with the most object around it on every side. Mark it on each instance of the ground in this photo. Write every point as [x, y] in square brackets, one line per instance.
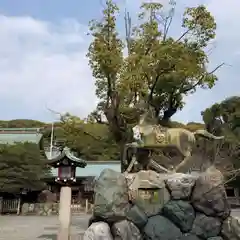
[45, 228]
[38, 227]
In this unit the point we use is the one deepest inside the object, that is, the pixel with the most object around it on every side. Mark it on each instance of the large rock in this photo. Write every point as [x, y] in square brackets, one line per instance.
[160, 228]
[148, 191]
[125, 230]
[137, 216]
[180, 185]
[215, 238]
[209, 194]
[189, 236]
[194, 237]
[98, 231]
[231, 228]
[111, 196]
[206, 227]
[181, 213]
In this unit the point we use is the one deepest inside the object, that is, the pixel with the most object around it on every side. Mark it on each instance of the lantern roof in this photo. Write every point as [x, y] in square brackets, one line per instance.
[66, 153]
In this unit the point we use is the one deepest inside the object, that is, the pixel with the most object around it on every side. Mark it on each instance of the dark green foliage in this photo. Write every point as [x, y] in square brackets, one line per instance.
[92, 141]
[21, 166]
[224, 119]
[21, 123]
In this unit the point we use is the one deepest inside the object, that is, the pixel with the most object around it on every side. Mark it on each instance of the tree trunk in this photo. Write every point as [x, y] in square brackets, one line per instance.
[122, 156]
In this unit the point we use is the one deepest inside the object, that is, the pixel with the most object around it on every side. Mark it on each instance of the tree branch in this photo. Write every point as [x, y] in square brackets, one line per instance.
[183, 35]
[174, 105]
[128, 30]
[164, 71]
[201, 79]
[166, 28]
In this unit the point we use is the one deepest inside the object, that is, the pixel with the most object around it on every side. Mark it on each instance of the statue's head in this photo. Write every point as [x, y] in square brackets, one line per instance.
[146, 113]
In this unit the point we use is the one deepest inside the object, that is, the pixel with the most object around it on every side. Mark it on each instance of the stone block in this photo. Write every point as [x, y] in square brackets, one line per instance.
[180, 213]
[180, 185]
[209, 195]
[206, 227]
[125, 230]
[231, 228]
[98, 231]
[159, 228]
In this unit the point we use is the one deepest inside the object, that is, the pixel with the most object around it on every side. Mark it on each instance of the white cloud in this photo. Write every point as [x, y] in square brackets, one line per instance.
[43, 64]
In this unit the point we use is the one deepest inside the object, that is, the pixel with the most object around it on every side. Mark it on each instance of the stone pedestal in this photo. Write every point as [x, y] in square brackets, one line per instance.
[162, 207]
[65, 213]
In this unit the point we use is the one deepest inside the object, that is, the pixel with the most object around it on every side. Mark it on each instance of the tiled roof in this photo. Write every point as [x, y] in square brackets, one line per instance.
[12, 135]
[94, 169]
[66, 153]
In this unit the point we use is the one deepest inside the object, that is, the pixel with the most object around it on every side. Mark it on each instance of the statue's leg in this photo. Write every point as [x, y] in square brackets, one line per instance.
[130, 166]
[143, 156]
[133, 160]
[157, 167]
[184, 163]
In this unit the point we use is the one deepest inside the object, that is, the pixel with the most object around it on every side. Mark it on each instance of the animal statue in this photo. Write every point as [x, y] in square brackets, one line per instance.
[150, 135]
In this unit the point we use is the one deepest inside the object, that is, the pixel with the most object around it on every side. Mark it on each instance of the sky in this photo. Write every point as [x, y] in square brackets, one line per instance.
[43, 64]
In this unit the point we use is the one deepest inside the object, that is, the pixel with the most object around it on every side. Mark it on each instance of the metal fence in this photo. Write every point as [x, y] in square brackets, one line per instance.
[10, 206]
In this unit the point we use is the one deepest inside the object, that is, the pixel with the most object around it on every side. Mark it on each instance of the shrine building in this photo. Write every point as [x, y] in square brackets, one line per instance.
[83, 186]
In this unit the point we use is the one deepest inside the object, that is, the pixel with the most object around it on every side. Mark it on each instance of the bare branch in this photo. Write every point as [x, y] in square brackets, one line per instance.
[216, 68]
[186, 32]
[53, 111]
[210, 50]
[183, 35]
[201, 79]
[167, 26]
[128, 24]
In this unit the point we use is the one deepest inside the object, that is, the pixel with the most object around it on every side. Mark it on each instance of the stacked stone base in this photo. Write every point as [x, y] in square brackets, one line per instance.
[190, 208]
[40, 209]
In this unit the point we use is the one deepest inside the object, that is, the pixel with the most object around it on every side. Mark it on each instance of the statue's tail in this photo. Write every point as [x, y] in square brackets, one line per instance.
[208, 135]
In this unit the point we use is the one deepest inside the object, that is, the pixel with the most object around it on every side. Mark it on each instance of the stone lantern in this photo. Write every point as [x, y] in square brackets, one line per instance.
[66, 163]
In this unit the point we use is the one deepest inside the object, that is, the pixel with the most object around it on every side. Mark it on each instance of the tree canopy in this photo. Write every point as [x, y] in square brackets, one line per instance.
[89, 140]
[158, 68]
[21, 123]
[21, 167]
[224, 119]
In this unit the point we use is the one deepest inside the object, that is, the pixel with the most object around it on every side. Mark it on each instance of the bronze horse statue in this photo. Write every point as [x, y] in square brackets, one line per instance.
[150, 135]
